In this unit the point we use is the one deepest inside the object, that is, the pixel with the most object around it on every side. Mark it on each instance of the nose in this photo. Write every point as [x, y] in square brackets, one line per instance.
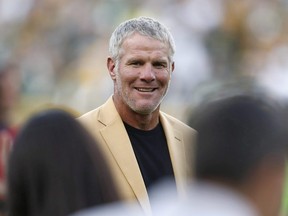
[147, 74]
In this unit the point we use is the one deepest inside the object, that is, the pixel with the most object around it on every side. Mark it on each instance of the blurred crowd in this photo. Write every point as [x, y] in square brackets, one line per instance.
[61, 48]
[53, 54]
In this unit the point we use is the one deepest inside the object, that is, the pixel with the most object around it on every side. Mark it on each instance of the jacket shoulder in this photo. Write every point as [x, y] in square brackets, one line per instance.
[89, 117]
[176, 123]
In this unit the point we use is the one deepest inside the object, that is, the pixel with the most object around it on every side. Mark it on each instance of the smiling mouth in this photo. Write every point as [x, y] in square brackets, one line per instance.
[145, 89]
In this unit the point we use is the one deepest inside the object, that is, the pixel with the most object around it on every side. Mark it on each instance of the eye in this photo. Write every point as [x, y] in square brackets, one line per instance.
[160, 65]
[136, 63]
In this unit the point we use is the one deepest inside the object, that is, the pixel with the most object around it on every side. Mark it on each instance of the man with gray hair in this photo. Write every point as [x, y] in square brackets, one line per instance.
[142, 144]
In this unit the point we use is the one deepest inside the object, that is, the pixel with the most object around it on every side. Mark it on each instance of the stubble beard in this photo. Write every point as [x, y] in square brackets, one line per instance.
[131, 103]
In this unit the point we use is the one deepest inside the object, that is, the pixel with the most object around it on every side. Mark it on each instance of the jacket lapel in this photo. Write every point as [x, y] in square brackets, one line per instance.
[177, 152]
[118, 142]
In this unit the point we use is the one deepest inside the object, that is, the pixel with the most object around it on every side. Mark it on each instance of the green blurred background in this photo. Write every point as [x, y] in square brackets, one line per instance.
[222, 47]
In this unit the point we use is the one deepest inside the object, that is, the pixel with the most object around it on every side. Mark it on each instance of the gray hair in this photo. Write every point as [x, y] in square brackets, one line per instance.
[145, 26]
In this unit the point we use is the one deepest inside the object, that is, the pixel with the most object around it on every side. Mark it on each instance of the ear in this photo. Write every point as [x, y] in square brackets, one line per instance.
[173, 66]
[111, 68]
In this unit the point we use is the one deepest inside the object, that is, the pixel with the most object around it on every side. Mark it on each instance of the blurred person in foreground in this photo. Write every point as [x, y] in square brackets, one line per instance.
[9, 92]
[55, 168]
[239, 160]
[142, 144]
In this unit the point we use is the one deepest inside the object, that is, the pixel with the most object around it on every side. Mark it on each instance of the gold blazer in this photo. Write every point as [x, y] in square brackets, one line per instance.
[106, 125]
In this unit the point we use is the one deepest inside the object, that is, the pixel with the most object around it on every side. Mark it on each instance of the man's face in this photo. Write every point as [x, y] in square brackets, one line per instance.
[142, 76]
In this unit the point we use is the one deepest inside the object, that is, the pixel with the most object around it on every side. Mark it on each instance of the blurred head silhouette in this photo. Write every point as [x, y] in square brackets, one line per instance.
[242, 144]
[55, 168]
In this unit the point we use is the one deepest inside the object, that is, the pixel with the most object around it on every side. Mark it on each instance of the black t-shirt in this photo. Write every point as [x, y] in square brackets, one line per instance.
[151, 150]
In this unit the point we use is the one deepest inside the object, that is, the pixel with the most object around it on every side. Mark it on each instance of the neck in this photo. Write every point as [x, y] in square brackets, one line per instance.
[142, 122]
[137, 120]
[265, 187]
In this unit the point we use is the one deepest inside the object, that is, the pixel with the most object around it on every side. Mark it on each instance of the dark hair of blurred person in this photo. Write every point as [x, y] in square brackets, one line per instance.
[242, 145]
[55, 168]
